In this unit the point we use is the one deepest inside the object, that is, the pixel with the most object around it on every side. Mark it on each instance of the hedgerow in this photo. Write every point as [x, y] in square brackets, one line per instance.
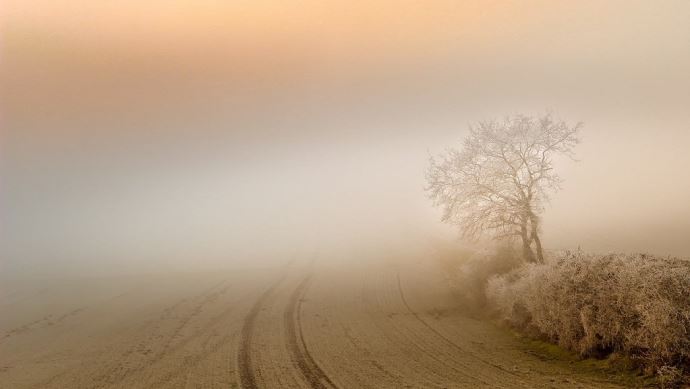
[635, 305]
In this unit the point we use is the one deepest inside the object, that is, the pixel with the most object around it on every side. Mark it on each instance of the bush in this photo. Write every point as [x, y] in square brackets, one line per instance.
[637, 305]
[471, 272]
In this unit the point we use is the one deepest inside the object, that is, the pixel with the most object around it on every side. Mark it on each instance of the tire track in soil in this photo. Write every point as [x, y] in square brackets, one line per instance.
[444, 337]
[244, 360]
[301, 357]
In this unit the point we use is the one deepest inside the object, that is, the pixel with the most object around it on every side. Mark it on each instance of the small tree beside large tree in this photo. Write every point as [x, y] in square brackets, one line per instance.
[499, 181]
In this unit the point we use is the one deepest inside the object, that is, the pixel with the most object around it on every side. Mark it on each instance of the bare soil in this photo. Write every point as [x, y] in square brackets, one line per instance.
[368, 324]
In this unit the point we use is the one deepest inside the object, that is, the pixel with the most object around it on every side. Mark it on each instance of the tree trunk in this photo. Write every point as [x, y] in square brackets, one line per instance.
[540, 252]
[526, 243]
[534, 221]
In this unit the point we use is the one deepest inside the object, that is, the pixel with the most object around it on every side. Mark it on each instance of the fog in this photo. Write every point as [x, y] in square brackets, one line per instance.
[202, 134]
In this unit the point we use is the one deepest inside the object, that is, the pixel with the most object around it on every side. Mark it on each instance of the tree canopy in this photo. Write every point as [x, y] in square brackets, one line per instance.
[499, 181]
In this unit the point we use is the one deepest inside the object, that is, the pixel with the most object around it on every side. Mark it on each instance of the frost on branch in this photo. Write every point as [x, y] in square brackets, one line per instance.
[498, 182]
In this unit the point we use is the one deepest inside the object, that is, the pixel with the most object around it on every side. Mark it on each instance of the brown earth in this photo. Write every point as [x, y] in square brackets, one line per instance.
[374, 324]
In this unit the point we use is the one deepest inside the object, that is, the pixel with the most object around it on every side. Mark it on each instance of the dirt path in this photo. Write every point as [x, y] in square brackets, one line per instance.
[375, 324]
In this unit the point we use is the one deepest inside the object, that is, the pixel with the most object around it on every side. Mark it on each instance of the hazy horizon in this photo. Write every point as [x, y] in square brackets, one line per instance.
[193, 134]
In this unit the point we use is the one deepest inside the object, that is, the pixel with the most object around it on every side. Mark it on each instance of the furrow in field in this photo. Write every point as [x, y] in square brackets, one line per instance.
[432, 364]
[448, 341]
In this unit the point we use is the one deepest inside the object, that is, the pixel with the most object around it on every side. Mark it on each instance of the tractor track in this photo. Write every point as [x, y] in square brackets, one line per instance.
[299, 352]
[245, 366]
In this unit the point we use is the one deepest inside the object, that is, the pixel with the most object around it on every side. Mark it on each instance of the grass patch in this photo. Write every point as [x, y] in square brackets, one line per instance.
[615, 368]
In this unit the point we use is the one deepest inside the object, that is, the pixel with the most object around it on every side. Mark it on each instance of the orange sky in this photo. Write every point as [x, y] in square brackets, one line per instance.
[146, 52]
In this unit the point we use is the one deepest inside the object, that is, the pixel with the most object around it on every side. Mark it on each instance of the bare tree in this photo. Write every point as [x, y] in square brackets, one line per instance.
[501, 178]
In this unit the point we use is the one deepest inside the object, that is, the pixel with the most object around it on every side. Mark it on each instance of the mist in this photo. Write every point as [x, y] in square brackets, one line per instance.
[341, 194]
[202, 135]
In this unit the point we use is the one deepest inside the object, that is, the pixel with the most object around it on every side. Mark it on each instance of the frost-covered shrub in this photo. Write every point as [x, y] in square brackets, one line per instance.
[471, 275]
[669, 376]
[638, 305]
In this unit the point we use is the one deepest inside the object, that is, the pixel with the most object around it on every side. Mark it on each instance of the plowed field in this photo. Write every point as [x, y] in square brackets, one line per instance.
[374, 324]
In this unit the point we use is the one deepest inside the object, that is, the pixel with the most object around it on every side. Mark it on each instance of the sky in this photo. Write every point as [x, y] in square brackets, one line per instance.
[141, 135]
